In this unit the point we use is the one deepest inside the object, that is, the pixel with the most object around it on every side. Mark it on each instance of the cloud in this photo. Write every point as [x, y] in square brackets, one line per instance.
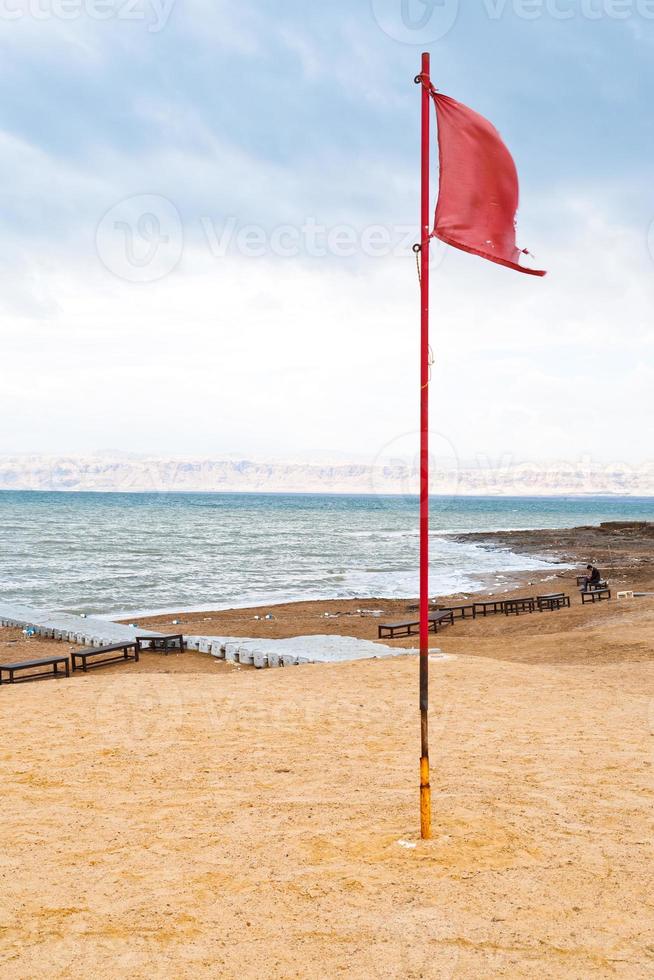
[295, 117]
[285, 355]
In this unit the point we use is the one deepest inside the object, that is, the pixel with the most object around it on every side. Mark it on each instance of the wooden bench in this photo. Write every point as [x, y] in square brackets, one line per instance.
[443, 618]
[602, 584]
[518, 606]
[90, 653]
[489, 606]
[17, 668]
[390, 630]
[556, 600]
[160, 643]
[595, 595]
[461, 610]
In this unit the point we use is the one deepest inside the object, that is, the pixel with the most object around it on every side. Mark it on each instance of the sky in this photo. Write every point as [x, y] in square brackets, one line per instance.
[208, 210]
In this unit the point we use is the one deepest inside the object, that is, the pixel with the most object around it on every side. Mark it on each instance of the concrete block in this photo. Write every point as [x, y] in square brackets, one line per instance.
[231, 652]
[205, 645]
[218, 650]
[289, 660]
[245, 656]
[260, 659]
[274, 659]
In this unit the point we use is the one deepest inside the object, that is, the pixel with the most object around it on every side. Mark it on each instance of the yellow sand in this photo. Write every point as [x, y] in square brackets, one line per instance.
[186, 819]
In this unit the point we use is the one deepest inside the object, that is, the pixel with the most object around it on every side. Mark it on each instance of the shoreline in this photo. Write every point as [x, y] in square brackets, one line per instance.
[484, 581]
[602, 633]
[625, 546]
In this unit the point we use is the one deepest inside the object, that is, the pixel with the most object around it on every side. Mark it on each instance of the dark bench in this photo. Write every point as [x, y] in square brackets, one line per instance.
[90, 653]
[160, 643]
[603, 584]
[518, 606]
[391, 630]
[53, 662]
[462, 611]
[556, 600]
[490, 606]
[443, 618]
[595, 595]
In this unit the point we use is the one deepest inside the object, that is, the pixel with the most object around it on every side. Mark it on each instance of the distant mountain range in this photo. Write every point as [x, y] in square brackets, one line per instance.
[107, 472]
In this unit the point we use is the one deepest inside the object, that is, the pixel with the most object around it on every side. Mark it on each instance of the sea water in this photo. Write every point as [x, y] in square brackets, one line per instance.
[111, 553]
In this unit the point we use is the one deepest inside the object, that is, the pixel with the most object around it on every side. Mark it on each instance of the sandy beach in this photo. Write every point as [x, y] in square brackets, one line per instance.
[328, 360]
[187, 817]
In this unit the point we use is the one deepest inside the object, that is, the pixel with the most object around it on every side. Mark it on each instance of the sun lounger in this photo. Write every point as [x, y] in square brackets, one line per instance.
[517, 606]
[459, 612]
[17, 668]
[486, 607]
[556, 600]
[175, 641]
[410, 628]
[90, 653]
[443, 618]
[603, 584]
[595, 595]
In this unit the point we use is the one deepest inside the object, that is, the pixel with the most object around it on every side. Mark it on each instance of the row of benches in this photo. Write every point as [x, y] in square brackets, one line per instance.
[129, 651]
[446, 615]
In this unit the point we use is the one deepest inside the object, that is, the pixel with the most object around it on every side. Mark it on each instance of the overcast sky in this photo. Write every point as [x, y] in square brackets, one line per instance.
[208, 207]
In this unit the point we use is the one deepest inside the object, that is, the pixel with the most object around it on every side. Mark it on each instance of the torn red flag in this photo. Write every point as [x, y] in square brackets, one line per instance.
[478, 187]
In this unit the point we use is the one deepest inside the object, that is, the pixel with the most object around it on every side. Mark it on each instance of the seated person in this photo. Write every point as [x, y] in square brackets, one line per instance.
[593, 580]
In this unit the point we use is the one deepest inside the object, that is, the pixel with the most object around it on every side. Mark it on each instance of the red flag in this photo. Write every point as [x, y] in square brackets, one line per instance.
[478, 189]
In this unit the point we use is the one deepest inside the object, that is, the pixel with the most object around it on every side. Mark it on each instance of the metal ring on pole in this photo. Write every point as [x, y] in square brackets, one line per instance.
[417, 248]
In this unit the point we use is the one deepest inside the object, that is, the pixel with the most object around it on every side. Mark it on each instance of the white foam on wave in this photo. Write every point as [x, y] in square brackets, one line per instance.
[455, 567]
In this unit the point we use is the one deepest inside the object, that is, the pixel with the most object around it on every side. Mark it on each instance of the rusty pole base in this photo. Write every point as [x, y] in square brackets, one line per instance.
[425, 800]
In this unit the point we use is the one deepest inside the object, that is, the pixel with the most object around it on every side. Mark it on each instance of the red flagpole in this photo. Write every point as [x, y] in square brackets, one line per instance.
[425, 205]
